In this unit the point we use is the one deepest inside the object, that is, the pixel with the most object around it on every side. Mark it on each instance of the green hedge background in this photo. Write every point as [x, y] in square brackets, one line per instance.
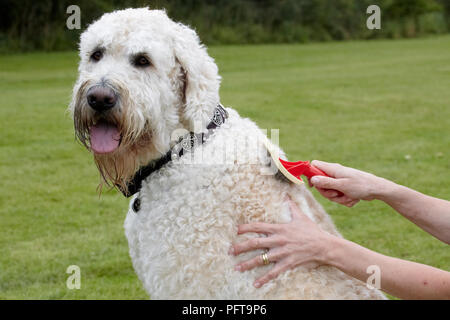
[28, 25]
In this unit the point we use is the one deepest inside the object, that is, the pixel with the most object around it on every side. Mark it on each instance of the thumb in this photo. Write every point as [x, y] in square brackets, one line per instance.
[330, 169]
[325, 182]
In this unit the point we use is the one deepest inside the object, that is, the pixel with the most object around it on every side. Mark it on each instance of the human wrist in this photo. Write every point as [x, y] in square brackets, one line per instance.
[339, 253]
[382, 189]
[330, 251]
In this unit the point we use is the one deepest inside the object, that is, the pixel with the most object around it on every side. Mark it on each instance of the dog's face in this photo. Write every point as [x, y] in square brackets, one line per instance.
[141, 76]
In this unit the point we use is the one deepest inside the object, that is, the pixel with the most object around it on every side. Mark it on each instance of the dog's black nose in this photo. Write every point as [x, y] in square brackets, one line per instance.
[101, 98]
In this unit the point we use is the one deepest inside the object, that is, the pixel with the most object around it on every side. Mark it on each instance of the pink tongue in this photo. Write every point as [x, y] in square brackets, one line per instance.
[104, 137]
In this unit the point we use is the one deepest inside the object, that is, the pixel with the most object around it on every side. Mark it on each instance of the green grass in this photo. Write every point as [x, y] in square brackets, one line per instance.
[380, 106]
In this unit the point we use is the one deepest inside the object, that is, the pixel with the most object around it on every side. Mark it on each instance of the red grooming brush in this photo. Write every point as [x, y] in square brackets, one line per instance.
[299, 168]
[293, 170]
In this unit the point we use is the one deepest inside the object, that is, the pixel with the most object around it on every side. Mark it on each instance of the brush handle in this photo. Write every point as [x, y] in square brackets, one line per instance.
[311, 171]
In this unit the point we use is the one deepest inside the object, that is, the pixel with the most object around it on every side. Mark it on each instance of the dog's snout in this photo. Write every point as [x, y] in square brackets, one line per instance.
[101, 98]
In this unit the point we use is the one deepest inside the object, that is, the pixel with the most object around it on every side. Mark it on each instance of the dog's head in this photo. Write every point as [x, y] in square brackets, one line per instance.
[141, 76]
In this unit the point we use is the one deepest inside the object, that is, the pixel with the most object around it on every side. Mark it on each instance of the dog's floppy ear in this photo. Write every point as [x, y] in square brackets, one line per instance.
[202, 78]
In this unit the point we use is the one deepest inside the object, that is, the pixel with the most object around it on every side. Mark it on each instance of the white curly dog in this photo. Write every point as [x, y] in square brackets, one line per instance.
[144, 82]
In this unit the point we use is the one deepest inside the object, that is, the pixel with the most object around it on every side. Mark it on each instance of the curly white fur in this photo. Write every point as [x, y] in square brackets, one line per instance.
[189, 213]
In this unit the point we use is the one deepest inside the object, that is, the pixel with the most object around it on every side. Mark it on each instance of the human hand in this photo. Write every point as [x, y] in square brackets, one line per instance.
[345, 185]
[299, 242]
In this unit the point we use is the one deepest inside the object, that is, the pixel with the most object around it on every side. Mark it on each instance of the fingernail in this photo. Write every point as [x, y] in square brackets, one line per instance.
[257, 284]
[231, 251]
[314, 180]
[238, 268]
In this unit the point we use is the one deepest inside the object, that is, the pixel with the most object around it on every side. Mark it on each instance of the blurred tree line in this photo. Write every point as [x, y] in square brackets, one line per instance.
[41, 24]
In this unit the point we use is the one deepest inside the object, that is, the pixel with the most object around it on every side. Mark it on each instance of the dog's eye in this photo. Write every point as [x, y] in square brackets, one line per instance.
[97, 55]
[141, 61]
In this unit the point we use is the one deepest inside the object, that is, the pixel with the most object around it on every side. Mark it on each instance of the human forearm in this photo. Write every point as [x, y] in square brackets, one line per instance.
[347, 186]
[430, 214]
[400, 278]
[302, 242]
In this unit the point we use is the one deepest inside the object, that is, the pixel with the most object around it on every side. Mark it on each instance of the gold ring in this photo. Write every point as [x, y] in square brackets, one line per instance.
[265, 259]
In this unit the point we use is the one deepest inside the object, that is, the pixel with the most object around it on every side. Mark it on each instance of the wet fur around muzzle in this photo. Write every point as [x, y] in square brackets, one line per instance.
[116, 167]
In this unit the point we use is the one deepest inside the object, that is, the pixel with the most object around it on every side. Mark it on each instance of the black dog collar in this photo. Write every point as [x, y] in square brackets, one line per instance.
[186, 143]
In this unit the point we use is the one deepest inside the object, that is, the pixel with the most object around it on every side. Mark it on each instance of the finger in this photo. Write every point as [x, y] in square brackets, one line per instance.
[249, 264]
[351, 203]
[273, 255]
[255, 243]
[254, 262]
[272, 274]
[331, 169]
[342, 200]
[258, 227]
[328, 193]
[326, 183]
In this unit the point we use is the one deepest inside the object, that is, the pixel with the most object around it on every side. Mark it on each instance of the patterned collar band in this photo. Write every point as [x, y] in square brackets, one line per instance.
[186, 143]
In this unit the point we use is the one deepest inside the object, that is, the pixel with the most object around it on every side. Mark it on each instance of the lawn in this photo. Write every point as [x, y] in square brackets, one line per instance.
[381, 106]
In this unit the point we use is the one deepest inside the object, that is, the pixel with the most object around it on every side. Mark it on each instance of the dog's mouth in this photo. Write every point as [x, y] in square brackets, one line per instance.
[104, 137]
